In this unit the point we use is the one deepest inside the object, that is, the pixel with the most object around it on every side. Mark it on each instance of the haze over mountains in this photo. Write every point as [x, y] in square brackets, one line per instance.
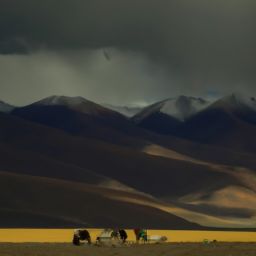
[183, 163]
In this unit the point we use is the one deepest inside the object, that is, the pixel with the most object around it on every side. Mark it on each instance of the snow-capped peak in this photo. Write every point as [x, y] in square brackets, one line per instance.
[180, 108]
[5, 107]
[62, 100]
[237, 101]
[246, 100]
[251, 102]
[183, 107]
[76, 103]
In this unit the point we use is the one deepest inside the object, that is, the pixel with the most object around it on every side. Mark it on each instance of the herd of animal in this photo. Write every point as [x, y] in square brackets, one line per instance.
[114, 237]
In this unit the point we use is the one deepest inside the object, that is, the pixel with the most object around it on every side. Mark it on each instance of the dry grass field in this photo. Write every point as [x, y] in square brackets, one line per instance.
[57, 242]
[174, 236]
[168, 249]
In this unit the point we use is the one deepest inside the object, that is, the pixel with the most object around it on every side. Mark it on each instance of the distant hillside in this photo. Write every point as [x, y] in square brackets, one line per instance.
[229, 122]
[81, 117]
[72, 140]
[167, 116]
[43, 202]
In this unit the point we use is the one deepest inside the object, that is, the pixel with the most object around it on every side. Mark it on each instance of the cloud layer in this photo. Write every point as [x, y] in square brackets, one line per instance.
[157, 47]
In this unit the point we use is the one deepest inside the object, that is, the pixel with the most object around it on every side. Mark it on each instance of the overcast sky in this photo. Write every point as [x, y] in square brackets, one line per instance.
[126, 51]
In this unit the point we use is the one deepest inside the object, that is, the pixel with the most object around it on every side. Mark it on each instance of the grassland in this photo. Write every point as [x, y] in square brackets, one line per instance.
[173, 249]
[65, 235]
[57, 242]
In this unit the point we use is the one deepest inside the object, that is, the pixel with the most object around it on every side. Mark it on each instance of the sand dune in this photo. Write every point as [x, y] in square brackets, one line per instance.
[244, 175]
[240, 198]
[203, 219]
[45, 202]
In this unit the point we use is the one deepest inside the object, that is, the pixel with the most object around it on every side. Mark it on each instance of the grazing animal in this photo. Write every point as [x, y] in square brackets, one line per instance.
[81, 235]
[123, 235]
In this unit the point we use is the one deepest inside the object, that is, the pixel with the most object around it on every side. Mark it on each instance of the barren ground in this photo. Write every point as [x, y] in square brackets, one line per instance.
[172, 249]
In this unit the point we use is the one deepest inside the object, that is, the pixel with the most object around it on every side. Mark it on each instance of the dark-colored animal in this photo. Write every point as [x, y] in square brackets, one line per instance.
[81, 235]
[123, 235]
[136, 232]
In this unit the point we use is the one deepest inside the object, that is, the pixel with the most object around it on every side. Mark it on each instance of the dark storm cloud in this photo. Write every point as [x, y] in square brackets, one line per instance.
[207, 45]
[123, 78]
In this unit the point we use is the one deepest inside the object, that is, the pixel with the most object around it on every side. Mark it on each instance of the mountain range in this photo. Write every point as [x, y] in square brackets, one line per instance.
[181, 163]
[228, 122]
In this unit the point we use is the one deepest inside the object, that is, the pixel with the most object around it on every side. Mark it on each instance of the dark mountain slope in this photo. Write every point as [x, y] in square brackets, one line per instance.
[43, 202]
[227, 123]
[81, 117]
[153, 175]
[167, 116]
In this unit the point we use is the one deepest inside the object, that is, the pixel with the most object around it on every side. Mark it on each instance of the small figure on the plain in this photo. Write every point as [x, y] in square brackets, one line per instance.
[140, 234]
[136, 232]
[81, 235]
[143, 235]
[115, 233]
[156, 239]
[123, 235]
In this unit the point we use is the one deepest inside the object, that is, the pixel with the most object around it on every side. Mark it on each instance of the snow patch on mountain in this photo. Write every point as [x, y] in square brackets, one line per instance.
[236, 102]
[184, 107]
[62, 100]
[76, 103]
[180, 108]
[128, 111]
